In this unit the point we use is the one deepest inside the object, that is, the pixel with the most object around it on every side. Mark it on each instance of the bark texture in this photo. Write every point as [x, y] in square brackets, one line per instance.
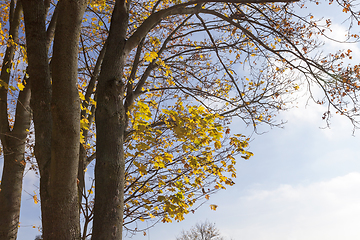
[56, 127]
[39, 72]
[14, 165]
[12, 140]
[110, 127]
[65, 109]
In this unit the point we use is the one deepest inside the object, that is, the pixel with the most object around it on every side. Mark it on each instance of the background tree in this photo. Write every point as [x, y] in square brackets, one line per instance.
[38, 237]
[164, 79]
[201, 231]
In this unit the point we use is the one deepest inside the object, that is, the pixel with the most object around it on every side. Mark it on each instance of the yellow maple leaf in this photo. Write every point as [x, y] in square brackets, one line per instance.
[213, 207]
[155, 41]
[150, 56]
[82, 97]
[36, 200]
[21, 86]
[217, 144]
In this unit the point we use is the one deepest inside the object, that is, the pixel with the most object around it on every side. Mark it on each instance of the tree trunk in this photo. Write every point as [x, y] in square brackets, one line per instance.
[57, 140]
[11, 188]
[65, 109]
[10, 197]
[39, 72]
[110, 127]
[14, 165]
[13, 142]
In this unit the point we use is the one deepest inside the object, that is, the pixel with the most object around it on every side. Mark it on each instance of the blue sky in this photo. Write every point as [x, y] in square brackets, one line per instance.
[302, 182]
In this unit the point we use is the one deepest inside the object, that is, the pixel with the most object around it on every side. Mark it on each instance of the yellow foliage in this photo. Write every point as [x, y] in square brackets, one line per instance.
[213, 207]
[35, 198]
[150, 56]
[21, 86]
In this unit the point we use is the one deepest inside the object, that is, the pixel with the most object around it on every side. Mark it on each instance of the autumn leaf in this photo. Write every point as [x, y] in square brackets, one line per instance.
[20, 86]
[150, 56]
[35, 198]
[81, 95]
[155, 41]
[217, 144]
[213, 207]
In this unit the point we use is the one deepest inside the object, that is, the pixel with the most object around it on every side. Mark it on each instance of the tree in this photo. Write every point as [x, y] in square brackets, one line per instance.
[162, 79]
[12, 140]
[201, 231]
[58, 125]
[38, 237]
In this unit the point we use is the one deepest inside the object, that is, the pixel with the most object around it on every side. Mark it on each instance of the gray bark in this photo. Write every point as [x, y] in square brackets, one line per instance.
[65, 109]
[13, 170]
[57, 130]
[110, 127]
[39, 72]
[13, 141]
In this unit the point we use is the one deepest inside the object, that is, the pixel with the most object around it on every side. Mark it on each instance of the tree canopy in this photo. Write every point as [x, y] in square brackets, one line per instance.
[201, 231]
[147, 90]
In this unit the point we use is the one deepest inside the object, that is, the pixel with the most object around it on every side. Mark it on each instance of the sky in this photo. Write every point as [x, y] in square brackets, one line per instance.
[302, 183]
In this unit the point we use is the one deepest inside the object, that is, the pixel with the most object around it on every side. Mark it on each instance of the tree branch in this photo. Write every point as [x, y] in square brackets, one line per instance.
[6, 68]
[155, 18]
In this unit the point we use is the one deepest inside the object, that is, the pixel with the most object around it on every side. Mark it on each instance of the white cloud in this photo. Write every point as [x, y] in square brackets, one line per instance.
[323, 210]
